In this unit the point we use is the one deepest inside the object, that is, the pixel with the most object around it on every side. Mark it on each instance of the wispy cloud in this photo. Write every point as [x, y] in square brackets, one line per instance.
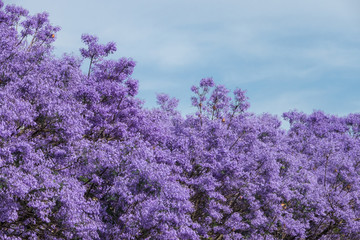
[286, 51]
[301, 100]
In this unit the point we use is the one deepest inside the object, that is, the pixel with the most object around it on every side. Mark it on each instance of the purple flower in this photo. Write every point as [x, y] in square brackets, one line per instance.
[81, 158]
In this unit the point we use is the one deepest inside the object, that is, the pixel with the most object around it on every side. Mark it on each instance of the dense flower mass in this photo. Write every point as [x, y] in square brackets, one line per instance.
[80, 158]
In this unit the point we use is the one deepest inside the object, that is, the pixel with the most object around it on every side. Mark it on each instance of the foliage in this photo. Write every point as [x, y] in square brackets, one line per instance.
[80, 158]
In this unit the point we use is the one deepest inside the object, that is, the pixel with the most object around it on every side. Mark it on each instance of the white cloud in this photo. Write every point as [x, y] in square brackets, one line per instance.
[244, 42]
[303, 100]
[175, 54]
[334, 56]
[158, 85]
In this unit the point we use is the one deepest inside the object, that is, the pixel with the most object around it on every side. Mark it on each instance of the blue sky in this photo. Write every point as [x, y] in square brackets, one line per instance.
[287, 54]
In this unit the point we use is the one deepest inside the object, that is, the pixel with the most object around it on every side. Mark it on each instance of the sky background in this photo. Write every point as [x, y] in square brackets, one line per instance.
[287, 54]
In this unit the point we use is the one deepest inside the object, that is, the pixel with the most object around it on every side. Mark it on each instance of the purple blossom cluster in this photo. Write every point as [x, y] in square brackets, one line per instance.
[81, 158]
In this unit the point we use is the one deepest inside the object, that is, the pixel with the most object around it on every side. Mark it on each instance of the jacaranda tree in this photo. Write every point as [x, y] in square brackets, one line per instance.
[81, 158]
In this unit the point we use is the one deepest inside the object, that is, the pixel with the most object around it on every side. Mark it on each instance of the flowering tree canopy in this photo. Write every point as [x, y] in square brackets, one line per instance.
[81, 158]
